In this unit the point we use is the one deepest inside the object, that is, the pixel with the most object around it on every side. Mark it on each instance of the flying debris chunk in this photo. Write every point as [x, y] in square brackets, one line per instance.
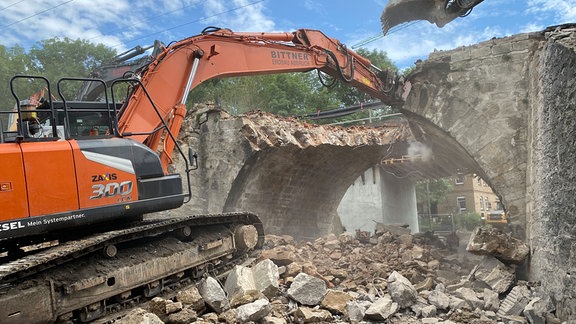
[439, 12]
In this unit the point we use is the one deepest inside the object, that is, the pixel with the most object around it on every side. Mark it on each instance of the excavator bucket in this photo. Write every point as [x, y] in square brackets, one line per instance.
[439, 12]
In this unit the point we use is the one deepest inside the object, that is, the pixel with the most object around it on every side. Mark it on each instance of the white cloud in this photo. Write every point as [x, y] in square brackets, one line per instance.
[239, 15]
[35, 20]
[562, 11]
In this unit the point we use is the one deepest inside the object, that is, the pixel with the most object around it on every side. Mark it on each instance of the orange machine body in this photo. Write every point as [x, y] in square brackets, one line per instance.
[47, 187]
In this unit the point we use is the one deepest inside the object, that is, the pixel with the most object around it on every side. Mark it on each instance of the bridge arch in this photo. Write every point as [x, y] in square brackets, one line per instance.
[475, 103]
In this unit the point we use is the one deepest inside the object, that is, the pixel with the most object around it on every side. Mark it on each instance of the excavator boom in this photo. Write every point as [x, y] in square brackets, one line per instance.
[439, 12]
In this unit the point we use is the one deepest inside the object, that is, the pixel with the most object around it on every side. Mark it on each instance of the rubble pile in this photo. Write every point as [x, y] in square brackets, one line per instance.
[390, 276]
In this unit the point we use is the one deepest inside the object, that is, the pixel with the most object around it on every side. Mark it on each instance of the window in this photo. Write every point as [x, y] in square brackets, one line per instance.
[486, 203]
[461, 202]
[481, 203]
[459, 179]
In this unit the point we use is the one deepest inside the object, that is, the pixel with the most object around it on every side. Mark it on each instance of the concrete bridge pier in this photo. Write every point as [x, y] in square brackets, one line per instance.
[379, 196]
[399, 201]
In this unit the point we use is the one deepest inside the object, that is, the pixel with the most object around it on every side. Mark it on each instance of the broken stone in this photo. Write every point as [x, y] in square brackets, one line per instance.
[266, 277]
[191, 296]
[173, 307]
[293, 269]
[491, 300]
[535, 311]
[515, 302]
[280, 255]
[427, 284]
[309, 315]
[433, 264]
[401, 290]
[272, 320]
[354, 311]
[338, 273]
[210, 318]
[307, 289]
[185, 316]
[439, 299]
[139, 315]
[469, 295]
[161, 306]
[384, 239]
[246, 298]
[335, 301]
[382, 309]
[228, 316]
[457, 303]
[239, 281]
[157, 306]
[213, 295]
[406, 239]
[495, 274]
[397, 229]
[362, 274]
[278, 240]
[419, 305]
[513, 319]
[417, 252]
[254, 311]
[491, 315]
[429, 311]
[490, 241]
[331, 243]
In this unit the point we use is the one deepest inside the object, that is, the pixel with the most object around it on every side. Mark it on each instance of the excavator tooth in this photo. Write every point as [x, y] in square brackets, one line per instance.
[439, 12]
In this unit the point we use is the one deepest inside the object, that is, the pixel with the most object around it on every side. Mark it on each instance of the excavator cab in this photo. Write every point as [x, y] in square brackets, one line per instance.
[66, 164]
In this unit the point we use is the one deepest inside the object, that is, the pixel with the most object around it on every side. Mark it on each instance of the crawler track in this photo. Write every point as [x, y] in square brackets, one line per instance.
[71, 283]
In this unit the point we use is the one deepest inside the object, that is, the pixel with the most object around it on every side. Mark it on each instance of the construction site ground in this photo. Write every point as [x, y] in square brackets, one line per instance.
[390, 276]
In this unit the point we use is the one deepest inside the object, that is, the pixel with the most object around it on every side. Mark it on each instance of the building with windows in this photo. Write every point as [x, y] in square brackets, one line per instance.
[470, 194]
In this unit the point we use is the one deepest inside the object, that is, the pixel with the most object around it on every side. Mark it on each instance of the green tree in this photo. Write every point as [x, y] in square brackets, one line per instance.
[349, 96]
[13, 61]
[56, 58]
[468, 221]
[432, 191]
[286, 94]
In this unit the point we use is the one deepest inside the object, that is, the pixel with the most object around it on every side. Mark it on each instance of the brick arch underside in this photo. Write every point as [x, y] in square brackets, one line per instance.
[296, 191]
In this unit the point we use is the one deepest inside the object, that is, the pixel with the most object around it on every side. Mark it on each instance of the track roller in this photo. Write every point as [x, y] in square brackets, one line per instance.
[183, 233]
[110, 251]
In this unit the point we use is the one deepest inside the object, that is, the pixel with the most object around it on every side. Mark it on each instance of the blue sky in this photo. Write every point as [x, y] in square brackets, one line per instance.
[122, 24]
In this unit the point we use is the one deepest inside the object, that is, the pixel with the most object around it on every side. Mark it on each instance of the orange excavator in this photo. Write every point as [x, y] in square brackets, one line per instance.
[80, 174]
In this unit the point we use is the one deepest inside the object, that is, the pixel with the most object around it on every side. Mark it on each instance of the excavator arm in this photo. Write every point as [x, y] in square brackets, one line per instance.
[223, 53]
[439, 12]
